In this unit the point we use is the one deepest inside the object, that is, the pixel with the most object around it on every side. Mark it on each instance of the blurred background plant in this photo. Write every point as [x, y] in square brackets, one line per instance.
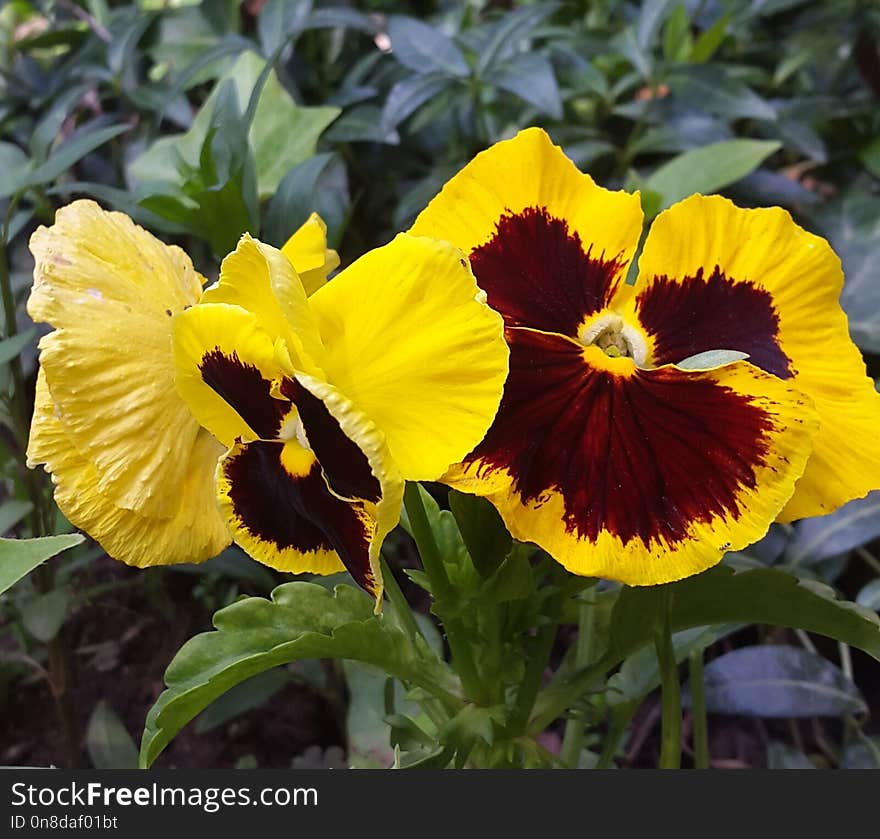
[203, 120]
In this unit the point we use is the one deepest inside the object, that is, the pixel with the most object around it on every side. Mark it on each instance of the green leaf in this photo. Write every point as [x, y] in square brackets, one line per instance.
[854, 524]
[18, 557]
[12, 512]
[779, 681]
[870, 156]
[513, 27]
[11, 347]
[319, 184]
[761, 595]
[424, 49]
[482, 530]
[851, 223]
[108, 742]
[711, 359]
[242, 698]
[69, 153]
[869, 596]
[708, 169]
[281, 135]
[44, 614]
[677, 38]
[13, 161]
[407, 96]
[530, 76]
[709, 41]
[279, 20]
[303, 620]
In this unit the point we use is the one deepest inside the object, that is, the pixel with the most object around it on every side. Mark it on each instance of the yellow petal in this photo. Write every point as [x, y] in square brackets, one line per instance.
[412, 345]
[225, 366]
[642, 476]
[260, 279]
[308, 252]
[110, 289]
[707, 266]
[195, 532]
[545, 242]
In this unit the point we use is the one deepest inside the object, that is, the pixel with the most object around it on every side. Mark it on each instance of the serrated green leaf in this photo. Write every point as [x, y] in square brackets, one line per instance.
[302, 620]
[18, 557]
[708, 169]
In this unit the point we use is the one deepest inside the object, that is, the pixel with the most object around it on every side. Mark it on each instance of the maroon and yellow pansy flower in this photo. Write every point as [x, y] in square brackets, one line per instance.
[624, 445]
[174, 419]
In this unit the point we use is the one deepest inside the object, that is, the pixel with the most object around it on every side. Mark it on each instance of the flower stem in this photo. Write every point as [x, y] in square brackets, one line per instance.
[670, 743]
[573, 738]
[402, 609]
[698, 711]
[531, 681]
[432, 561]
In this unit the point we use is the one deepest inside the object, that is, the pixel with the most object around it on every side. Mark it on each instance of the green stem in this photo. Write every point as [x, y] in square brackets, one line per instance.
[698, 711]
[402, 609]
[573, 738]
[670, 742]
[531, 681]
[432, 561]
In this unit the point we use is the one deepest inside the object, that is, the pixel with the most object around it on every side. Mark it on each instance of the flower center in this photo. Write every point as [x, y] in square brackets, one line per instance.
[615, 337]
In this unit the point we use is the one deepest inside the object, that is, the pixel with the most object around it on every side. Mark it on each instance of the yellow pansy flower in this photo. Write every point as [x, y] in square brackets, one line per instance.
[606, 452]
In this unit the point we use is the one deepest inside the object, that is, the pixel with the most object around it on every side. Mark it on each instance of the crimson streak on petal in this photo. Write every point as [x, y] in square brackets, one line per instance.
[242, 386]
[709, 313]
[641, 456]
[296, 511]
[538, 274]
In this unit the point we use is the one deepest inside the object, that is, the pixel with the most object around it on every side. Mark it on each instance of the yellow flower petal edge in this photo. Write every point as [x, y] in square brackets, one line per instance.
[110, 289]
[410, 341]
[530, 172]
[195, 533]
[260, 279]
[808, 344]
[308, 252]
[225, 365]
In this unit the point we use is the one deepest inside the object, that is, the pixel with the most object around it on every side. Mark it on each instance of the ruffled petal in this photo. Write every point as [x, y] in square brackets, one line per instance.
[409, 341]
[547, 244]
[308, 252]
[643, 476]
[225, 367]
[714, 276]
[297, 513]
[110, 290]
[260, 279]
[195, 532]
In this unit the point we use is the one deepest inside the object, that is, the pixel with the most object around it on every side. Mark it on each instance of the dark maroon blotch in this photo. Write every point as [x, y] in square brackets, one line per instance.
[296, 512]
[346, 467]
[642, 457]
[537, 273]
[712, 313]
[242, 386]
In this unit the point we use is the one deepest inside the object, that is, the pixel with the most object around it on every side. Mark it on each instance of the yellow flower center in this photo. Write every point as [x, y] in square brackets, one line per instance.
[615, 337]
